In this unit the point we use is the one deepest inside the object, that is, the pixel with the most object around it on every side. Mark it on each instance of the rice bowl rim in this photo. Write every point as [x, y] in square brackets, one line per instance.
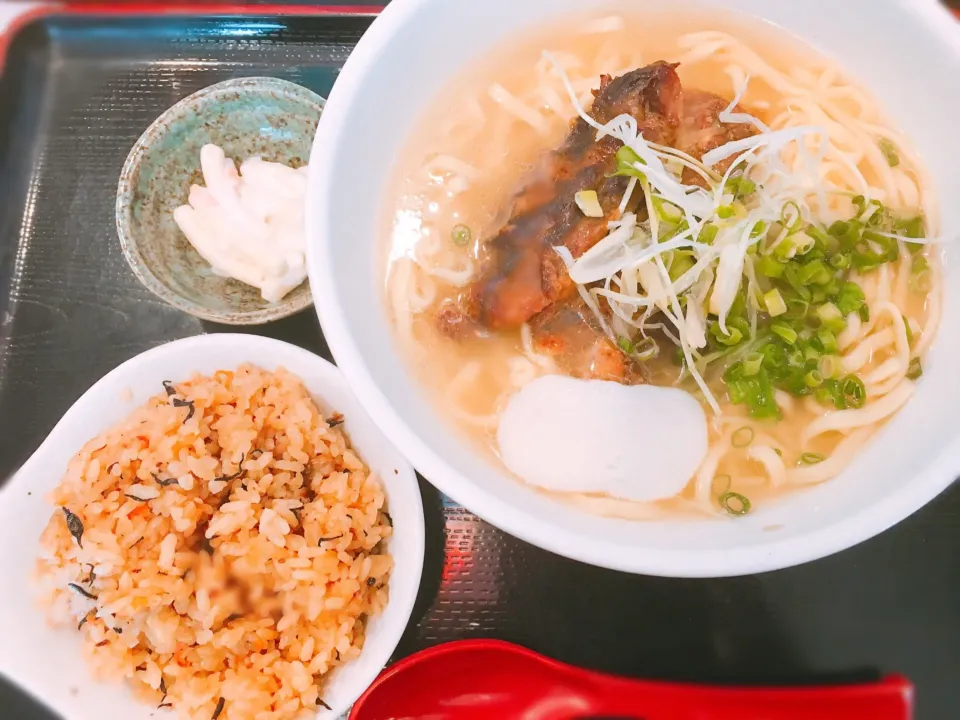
[86, 418]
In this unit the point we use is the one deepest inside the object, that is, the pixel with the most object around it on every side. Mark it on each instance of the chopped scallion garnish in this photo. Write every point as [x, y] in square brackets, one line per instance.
[889, 151]
[752, 363]
[853, 392]
[734, 503]
[790, 216]
[589, 203]
[915, 369]
[812, 458]
[742, 437]
[786, 332]
[774, 303]
[828, 341]
[830, 366]
[461, 235]
[708, 233]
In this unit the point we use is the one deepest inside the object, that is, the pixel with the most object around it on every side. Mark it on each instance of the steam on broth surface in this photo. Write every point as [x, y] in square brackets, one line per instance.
[774, 266]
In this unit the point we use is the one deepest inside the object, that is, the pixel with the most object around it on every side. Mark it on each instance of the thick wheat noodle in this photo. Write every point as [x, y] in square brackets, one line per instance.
[902, 280]
[866, 106]
[883, 286]
[466, 376]
[883, 371]
[538, 359]
[771, 461]
[521, 371]
[423, 294]
[870, 414]
[402, 272]
[934, 306]
[708, 468]
[808, 98]
[857, 358]
[833, 465]
[474, 123]
[898, 323]
[457, 277]
[455, 166]
[516, 107]
[784, 400]
[851, 333]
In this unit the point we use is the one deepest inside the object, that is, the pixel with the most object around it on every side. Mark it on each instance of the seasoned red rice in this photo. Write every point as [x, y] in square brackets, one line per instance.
[233, 556]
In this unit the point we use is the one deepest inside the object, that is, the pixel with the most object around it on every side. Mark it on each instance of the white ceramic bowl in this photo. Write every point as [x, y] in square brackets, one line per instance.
[907, 52]
[49, 663]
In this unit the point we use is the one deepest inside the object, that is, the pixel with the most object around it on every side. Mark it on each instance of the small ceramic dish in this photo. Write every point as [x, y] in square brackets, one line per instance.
[49, 662]
[257, 116]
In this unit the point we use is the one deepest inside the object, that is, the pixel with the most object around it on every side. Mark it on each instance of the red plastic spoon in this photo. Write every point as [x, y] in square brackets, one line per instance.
[494, 680]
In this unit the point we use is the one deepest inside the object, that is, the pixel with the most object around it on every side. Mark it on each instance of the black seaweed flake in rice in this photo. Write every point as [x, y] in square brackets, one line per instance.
[164, 482]
[102, 643]
[163, 686]
[254, 454]
[83, 620]
[296, 513]
[168, 386]
[322, 704]
[138, 499]
[91, 576]
[238, 473]
[219, 709]
[118, 631]
[164, 706]
[178, 402]
[387, 516]
[74, 525]
[371, 581]
[334, 420]
[329, 539]
[81, 591]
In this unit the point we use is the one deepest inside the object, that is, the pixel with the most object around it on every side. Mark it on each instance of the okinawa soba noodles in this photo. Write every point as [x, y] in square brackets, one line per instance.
[768, 257]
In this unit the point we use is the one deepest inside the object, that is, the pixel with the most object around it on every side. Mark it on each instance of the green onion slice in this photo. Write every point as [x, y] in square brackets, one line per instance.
[461, 235]
[721, 484]
[742, 437]
[734, 503]
[889, 151]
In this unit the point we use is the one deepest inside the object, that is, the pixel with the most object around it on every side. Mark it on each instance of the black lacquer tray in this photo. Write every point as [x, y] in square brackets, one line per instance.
[77, 91]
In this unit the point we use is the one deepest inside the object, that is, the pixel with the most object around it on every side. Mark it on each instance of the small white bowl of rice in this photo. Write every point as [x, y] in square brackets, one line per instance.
[215, 528]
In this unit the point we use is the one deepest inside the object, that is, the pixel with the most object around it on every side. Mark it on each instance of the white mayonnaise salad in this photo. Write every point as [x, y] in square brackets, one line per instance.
[249, 224]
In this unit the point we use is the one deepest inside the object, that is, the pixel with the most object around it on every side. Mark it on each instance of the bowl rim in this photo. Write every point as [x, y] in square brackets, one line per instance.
[327, 374]
[125, 193]
[939, 472]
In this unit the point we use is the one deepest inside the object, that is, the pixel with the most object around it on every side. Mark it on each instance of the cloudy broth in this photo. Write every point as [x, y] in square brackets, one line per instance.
[472, 150]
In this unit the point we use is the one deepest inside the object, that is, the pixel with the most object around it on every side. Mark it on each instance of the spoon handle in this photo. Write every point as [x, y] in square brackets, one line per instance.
[889, 699]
